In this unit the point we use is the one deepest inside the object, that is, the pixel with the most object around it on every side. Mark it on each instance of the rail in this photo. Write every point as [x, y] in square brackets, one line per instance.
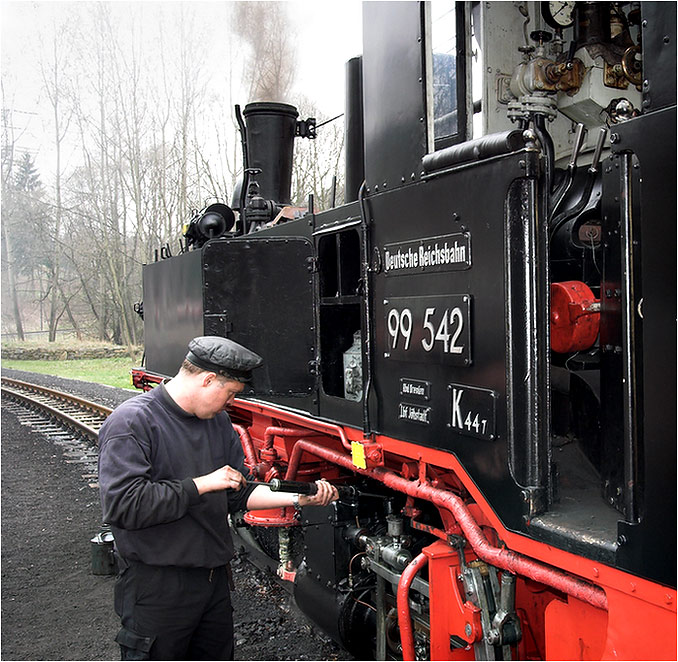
[84, 416]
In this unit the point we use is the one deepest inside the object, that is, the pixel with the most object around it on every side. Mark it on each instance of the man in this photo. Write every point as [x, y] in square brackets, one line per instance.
[170, 469]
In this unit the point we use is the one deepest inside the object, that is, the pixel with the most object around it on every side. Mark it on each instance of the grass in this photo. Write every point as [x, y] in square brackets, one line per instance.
[114, 371]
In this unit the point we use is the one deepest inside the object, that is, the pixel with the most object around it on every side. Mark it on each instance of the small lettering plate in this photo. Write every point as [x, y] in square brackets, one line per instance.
[473, 411]
[415, 388]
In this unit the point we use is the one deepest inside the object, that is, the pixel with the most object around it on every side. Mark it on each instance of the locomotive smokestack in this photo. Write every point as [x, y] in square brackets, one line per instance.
[271, 129]
[353, 121]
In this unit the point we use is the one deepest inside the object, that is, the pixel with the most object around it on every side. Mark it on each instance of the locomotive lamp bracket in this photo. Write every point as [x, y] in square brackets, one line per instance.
[306, 128]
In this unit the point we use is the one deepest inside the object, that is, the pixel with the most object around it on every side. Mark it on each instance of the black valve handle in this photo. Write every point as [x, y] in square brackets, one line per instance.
[298, 487]
[278, 485]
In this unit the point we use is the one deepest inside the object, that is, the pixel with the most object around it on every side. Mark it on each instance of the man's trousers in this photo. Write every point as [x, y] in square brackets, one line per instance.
[174, 613]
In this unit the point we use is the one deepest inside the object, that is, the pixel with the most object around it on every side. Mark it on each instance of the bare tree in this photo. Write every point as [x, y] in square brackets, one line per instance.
[317, 163]
[107, 187]
[8, 211]
[141, 165]
[24, 222]
[54, 75]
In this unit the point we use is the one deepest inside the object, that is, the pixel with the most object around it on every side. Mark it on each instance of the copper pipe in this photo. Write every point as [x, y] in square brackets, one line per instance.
[403, 604]
[501, 558]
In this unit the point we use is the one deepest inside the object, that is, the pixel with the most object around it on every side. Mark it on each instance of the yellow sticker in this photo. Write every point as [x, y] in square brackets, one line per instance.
[358, 455]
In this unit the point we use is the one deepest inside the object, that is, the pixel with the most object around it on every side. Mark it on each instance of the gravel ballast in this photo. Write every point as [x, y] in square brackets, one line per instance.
[53, 607]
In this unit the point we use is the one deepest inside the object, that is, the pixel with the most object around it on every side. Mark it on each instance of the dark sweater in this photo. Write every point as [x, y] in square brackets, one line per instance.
[149, 451]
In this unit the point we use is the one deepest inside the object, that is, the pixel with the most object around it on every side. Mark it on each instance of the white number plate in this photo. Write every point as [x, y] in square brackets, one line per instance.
[429, 329]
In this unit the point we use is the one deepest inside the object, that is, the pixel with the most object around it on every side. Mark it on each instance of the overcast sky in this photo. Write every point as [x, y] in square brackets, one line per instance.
[326, 34]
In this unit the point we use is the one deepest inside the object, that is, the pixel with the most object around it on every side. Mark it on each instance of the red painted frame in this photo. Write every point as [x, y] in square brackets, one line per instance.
[556, 626]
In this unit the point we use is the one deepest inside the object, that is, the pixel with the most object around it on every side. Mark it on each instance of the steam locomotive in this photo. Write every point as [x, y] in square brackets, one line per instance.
[479, 343]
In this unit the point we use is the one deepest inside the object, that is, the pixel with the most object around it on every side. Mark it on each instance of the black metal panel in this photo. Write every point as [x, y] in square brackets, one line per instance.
[648, 547]
[618, 439]
[659, 54]
[325, 566]
[463, 407]
[259, 292]
[393, 92]
[173, 311]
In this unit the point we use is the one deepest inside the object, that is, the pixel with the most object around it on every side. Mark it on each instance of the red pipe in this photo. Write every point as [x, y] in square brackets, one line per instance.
[403, 602]
[273, 431]
[311, 424]
[501, 558]
[295, 458]
[247, 445]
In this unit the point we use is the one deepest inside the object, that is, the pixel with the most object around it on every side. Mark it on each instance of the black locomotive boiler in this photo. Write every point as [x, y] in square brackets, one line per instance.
[480, 341]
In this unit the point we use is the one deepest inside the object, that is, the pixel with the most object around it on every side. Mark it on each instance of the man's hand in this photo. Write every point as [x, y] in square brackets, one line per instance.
[326, 494]
[225, 478]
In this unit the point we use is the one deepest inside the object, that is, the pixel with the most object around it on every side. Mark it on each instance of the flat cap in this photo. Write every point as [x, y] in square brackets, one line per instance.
[223, 357]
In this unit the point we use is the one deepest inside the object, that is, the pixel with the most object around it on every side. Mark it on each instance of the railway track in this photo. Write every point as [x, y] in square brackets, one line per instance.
[70, 422]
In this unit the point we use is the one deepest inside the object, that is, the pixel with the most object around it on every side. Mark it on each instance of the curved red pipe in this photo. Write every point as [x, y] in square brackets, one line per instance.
[403, 603]
[247, 445]
[273, 431]
[501, 558]
[304, 444]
